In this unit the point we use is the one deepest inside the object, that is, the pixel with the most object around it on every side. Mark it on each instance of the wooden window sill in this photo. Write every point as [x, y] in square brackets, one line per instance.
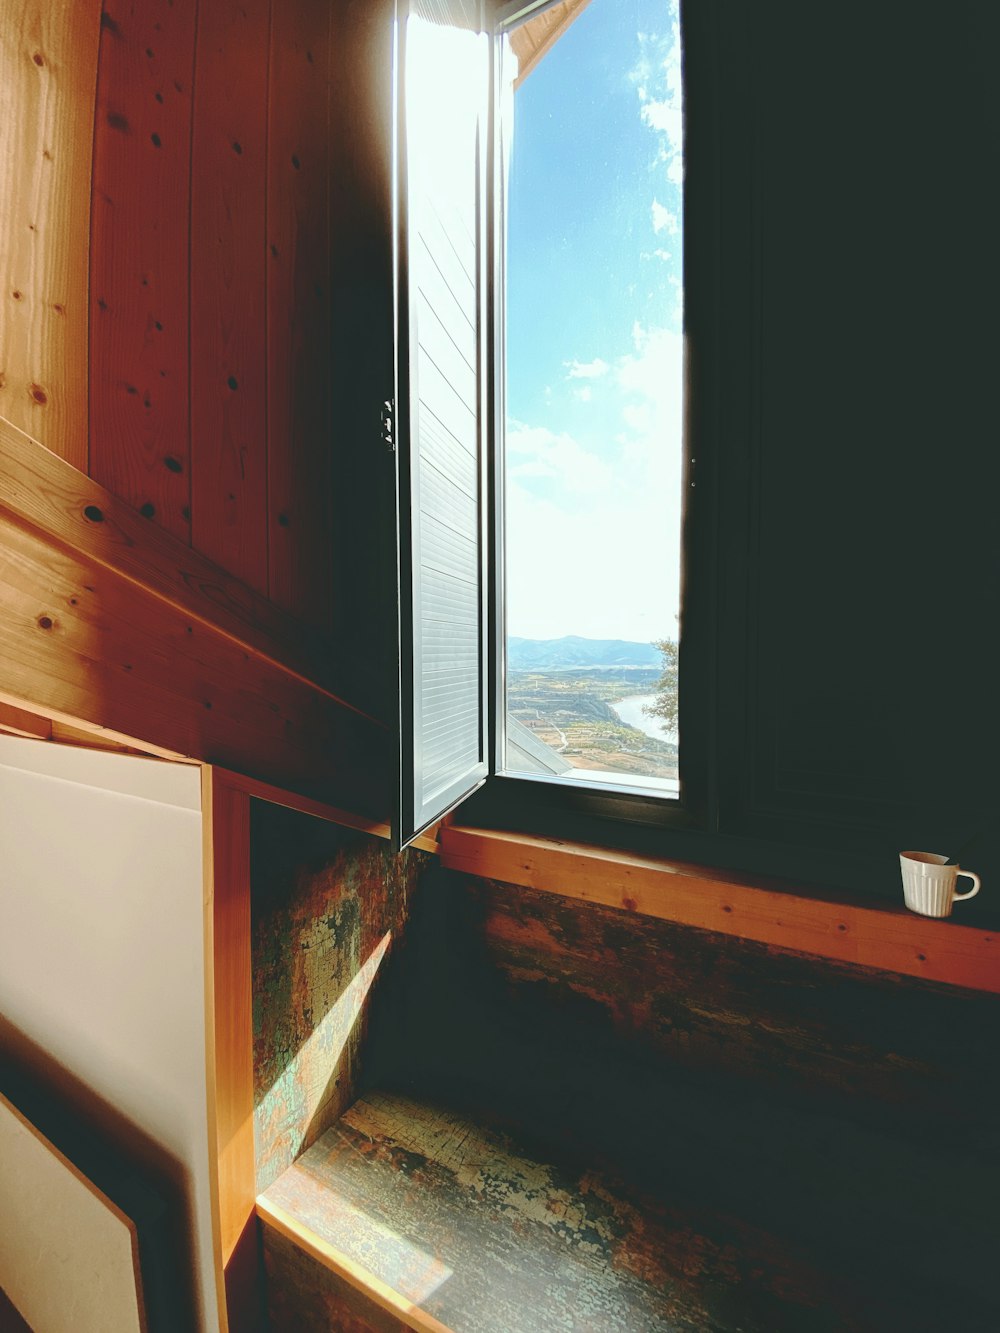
[888, 938]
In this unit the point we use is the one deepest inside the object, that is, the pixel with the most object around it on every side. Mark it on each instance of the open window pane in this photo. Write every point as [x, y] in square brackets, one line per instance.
[594, 393]
[444, 87]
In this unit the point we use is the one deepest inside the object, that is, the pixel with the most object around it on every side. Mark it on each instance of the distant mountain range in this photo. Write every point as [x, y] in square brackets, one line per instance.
[572, 651]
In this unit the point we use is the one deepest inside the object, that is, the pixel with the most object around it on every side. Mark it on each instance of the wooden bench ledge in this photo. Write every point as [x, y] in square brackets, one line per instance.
[408, 1215]
[889, 938]
[447, 1227]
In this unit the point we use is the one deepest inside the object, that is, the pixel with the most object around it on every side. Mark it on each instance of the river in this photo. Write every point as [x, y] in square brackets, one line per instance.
[630, 712]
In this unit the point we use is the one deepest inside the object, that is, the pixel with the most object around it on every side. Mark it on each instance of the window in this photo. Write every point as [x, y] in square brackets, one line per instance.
[830, 397]
[444, 63]
[591, 220]
[594, 502]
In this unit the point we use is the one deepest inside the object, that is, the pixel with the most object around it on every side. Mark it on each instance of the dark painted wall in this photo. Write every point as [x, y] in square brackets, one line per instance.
[843, 315]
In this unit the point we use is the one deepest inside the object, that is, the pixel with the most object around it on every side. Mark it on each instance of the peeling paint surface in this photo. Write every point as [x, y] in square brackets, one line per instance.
[747, 1139]
[329, 906]
[464, 1224]
[842, 1112]
[710, 1002]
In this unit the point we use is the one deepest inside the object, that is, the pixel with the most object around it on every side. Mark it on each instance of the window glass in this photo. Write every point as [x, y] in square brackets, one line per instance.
[594, 393]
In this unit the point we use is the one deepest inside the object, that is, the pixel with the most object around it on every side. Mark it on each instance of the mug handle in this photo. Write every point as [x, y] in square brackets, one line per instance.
[969, 874]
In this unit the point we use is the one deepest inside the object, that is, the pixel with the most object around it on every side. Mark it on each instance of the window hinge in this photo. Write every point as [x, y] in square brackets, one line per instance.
[389, 425]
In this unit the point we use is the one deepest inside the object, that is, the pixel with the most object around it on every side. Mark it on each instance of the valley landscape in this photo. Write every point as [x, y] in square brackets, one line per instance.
[564, 691]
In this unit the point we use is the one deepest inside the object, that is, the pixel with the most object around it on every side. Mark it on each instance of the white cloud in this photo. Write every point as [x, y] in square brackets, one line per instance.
[594, 541]
[612, 576]
[535, 451]
[657, 79]
[586, 370]
[664, 219]
[653, 373]
[585, 394]
[666, 118]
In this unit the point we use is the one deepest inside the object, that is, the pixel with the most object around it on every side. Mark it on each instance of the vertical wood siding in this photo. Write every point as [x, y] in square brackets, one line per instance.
[166, 310]
[139, 344]
[48, 68]
[298, 309]
[228, 346]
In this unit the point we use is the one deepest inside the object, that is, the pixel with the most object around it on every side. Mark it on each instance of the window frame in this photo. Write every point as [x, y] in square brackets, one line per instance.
[722, 286]
[414, 810]
[517, 794]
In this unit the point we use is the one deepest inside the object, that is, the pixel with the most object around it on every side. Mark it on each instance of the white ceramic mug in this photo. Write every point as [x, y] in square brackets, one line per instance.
[929, 884]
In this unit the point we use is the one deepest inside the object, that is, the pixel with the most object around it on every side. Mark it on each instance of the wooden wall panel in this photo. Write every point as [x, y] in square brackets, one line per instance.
[167, 316]
[79, 639]
[361, 354]
[183, 152]
[139, 335]
[299, 311]
[48, 68]
[228, 354]
[40, 491]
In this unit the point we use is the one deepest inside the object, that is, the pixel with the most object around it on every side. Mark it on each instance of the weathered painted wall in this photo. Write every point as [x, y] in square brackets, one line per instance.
[507, 974]
[473, 1232]
[845, 1112]
[329, 907]
[718, 1004]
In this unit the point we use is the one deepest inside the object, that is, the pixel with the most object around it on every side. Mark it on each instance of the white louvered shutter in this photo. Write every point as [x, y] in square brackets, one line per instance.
[443, 117]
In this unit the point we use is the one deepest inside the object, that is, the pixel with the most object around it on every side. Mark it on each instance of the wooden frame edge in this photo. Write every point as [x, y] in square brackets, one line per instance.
[229, 1021]
[228, 1024]
[45, 714]
[265, 791]
[379, 1292]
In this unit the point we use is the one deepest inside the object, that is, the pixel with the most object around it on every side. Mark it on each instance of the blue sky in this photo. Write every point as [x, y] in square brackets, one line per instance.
[593, 330]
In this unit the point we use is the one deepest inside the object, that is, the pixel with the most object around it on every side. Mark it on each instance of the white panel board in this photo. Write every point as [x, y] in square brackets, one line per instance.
[102, 946]
[68, 1257]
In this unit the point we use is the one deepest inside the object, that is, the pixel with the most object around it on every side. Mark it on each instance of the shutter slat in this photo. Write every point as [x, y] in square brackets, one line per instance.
[445, 59]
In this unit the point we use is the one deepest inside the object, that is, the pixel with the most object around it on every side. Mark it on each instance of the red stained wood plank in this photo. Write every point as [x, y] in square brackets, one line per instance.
[139, 336]
[299, 311]
[48, 69]
[228, 351]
